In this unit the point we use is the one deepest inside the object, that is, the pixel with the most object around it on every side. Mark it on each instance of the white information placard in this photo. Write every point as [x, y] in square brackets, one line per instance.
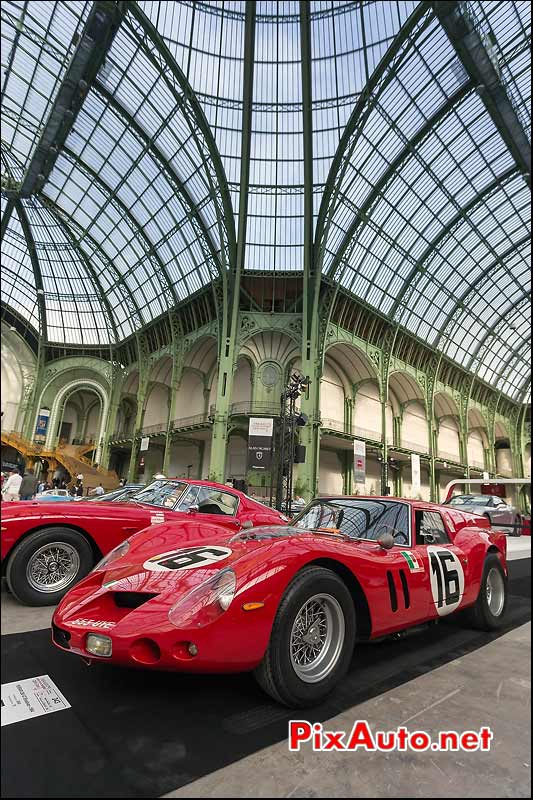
[145, 442]
[31, 697]
[359, 468]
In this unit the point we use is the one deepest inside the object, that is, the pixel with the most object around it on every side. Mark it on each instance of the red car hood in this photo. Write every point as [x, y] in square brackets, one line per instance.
[150, 551]
[201, 550]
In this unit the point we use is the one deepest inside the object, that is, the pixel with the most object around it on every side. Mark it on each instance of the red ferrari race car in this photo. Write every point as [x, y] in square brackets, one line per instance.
[288, 602]
[48, 547]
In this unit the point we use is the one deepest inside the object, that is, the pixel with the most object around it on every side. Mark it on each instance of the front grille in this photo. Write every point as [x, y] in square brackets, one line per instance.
[131, 599]
[61, 637]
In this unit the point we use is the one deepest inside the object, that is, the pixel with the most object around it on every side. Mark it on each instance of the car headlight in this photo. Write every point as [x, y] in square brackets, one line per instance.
[206, 602]
[113, 555]
[99, 645]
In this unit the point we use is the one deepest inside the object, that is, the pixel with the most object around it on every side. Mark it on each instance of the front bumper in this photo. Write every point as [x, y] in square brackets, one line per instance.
[144, 637]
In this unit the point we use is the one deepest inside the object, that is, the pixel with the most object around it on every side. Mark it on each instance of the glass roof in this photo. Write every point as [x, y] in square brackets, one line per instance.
[420, 208]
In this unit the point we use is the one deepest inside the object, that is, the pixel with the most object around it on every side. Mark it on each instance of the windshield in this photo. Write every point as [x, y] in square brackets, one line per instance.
[117, 495]
[161, 493]
[357, 519]
[468, 500]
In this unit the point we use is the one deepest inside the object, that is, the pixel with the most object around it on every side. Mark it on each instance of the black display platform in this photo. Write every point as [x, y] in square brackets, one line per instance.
[141, 734]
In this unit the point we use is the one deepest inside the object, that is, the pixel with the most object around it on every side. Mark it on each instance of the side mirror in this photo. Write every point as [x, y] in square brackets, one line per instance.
[247, 525]
[193, 509]
[386, 541]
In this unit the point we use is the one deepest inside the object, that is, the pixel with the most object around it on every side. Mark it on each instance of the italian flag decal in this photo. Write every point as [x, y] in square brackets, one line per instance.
[412, 561]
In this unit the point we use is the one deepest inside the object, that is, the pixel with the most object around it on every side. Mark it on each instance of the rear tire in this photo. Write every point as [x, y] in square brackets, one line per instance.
[46, 564]
[488, 613]
[312, 640]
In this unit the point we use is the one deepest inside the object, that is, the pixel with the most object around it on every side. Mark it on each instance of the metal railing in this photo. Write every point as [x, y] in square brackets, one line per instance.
[190, 422]
[415, 447]
[454, 457]
[365, 433]
[251, 409]
[153, 430]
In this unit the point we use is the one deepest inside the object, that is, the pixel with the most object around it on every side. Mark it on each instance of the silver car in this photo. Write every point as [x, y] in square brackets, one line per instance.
[498, 512]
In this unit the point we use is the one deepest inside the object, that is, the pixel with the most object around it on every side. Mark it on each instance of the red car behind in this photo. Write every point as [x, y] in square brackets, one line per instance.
[48, 547]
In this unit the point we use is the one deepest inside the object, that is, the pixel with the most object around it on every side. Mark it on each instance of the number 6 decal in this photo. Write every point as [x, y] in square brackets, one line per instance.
[447, 579]
[186, 558]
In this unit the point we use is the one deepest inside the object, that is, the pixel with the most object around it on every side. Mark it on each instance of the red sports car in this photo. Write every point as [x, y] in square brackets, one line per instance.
[288, 602]
[48, 547]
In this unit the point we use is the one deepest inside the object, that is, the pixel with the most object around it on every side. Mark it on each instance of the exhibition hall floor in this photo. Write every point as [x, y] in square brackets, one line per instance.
[140, 734]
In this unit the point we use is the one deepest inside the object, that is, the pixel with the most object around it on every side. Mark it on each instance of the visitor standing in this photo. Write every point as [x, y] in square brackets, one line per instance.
[28, 485]
[12, 486]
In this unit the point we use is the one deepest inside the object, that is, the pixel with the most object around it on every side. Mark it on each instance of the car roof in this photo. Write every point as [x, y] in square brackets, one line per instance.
[417, 503]
[209, 484]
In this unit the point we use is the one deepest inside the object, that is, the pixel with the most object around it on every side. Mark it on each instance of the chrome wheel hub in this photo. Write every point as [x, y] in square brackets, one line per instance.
[53, 567]
[495, 592]
[317, 638]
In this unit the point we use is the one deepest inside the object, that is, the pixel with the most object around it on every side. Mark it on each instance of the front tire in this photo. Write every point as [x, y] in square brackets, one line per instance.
[489, 611]
[312, 640]
[46, 564]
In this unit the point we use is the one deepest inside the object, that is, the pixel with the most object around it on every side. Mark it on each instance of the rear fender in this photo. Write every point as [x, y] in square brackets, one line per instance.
[42, 526]
[477, 544]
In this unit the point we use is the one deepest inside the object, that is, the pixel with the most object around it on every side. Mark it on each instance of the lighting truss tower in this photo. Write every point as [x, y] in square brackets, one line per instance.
[289, 420]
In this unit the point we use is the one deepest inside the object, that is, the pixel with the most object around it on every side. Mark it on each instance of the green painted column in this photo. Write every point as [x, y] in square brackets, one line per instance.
[314, 325]
[433, 493]
[117, 382]
[399, 489]
[385, 478]
[144, 367]
[310, 434]
[177, 372]
[219, 442]
[136, 440]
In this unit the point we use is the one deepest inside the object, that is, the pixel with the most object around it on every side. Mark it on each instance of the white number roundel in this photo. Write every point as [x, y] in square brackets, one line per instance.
[447, 579]
[186, 558]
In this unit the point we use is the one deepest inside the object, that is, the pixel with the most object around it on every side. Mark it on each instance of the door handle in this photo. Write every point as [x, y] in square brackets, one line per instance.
[129, 528]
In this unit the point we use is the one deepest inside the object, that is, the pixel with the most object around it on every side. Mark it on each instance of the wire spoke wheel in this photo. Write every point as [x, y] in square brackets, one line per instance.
[53, 567]
[317, 638]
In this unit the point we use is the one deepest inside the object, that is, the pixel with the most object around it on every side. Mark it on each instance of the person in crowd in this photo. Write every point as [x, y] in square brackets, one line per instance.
[79, 489]
[72, 490]
[98, 490]
[12, 486]
[79, 477]
[41, 487]
[28, 485]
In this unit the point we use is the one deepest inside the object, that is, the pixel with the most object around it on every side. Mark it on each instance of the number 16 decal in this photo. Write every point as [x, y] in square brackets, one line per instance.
[447, 579]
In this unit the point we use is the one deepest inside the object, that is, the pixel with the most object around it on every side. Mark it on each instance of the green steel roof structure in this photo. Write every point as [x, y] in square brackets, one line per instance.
[151, 150]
